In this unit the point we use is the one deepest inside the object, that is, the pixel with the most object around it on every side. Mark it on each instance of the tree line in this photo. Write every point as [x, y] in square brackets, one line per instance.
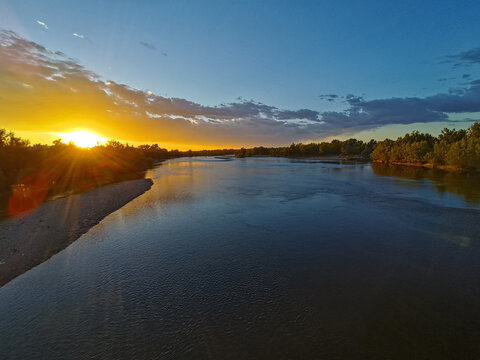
[452, 149]
[29, 174]
[352, 148]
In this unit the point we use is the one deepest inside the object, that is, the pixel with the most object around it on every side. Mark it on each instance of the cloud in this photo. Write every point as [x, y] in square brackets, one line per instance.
[446, 79]
[328, 97]
[459, 101]
[42, 24]
[364, 114]
[298, 114]
[148, 45]
[468, 57]
[63, 95]
[79, 36]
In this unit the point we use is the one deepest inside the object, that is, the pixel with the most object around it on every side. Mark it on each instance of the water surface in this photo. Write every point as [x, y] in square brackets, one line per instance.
[262, 258]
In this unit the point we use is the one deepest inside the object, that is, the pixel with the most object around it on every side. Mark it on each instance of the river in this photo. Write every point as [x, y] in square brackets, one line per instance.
[263, 258]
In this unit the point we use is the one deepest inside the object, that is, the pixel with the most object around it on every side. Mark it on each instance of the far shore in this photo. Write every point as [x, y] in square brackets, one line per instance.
[32, 238]
[322, 157]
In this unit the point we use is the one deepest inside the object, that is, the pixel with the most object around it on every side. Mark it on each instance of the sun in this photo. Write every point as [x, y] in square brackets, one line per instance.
[84, 139]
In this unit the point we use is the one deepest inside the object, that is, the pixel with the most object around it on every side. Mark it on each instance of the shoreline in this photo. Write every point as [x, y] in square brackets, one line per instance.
[32, 238]
[326, 158]
[446, 168]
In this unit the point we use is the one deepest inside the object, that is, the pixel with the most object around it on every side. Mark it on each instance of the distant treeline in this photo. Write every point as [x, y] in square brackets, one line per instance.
[452, 149]
[31, 173]
[350, 148]
[155, 152]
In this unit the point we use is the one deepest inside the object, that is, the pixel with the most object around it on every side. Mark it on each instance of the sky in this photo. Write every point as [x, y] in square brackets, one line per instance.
[206, 74]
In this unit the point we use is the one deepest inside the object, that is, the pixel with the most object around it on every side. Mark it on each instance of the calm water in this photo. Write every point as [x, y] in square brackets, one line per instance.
[263, 259]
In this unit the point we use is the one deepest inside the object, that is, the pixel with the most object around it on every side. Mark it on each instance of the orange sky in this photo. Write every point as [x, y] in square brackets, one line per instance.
[45, 94]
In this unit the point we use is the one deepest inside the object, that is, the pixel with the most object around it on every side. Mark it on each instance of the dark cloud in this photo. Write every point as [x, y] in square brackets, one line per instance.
[353, 100]
[305, 114]
[148, 45]
[446, 79]
[468, 57]
[328, 97]
[374, 113]
[463, 100]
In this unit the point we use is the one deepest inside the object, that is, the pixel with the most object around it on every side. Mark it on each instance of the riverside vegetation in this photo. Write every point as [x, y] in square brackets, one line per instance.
[29, 174]
[451, 150]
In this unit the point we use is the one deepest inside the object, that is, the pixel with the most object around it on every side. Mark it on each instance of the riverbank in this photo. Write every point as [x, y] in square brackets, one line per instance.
[325, 158]
[30, 239]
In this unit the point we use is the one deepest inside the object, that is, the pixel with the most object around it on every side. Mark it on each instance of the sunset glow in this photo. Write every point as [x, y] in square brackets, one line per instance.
[147, 91]
[240, 179]
[82, 139]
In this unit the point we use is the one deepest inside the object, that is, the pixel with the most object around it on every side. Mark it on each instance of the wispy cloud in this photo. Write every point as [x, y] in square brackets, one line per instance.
[42, 24]
[464, 58]
[328, 97]
[471, 56]
[446, 79]
[148, 45]
[79, 36]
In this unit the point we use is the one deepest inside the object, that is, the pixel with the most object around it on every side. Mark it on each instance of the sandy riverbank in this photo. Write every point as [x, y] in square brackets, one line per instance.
[30, 239]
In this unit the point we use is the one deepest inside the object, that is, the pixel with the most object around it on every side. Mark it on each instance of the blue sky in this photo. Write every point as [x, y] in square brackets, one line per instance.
[282, 53]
